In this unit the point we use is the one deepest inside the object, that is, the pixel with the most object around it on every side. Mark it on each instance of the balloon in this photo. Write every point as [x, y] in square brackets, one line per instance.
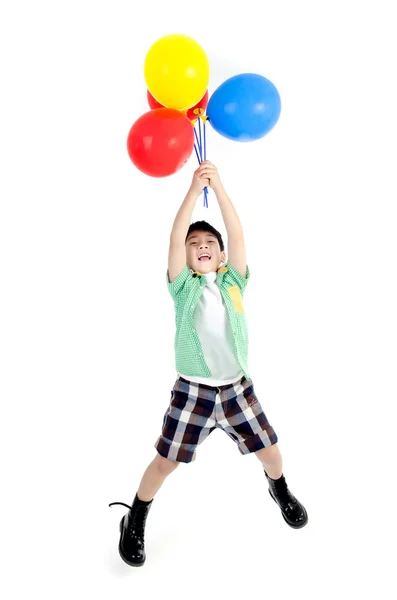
[176, 71]
[198, 108]
[160, 142]
[245, 107]
[153, 102]
[191, 114]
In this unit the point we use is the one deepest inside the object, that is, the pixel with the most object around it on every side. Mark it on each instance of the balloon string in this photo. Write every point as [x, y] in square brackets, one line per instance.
[198, 150]
[205, 158]
[201, 143]
[205, 141]
[197, 154]
[198, 143]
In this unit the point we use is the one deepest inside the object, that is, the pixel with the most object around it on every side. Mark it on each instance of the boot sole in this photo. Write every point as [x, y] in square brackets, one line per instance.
[288, 523]
[131, 564]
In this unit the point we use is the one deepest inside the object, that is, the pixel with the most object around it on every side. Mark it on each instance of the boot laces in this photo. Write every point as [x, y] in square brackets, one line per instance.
[136, 523]
[122, 503]
[136, 526]
[285, 496]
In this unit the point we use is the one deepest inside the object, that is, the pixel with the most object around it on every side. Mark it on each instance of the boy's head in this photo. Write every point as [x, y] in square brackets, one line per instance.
[202, 238]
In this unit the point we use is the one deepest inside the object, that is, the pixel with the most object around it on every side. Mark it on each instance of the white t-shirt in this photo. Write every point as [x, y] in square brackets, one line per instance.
[216, 336]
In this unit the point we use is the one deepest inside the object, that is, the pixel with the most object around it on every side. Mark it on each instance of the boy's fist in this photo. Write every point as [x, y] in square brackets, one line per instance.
[210, 172]
[199, 182]
[206, 175]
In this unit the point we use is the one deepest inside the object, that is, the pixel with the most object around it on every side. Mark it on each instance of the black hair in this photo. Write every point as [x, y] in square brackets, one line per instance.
[204, 226]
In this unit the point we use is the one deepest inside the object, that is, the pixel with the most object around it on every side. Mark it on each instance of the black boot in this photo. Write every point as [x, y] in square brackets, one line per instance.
[294, 512]
[132, 531]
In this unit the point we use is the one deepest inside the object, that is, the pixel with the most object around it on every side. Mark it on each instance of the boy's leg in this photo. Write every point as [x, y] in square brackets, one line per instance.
[154, 476]
[132, 525]
[271, 460]
[293, 511]
[255, 430]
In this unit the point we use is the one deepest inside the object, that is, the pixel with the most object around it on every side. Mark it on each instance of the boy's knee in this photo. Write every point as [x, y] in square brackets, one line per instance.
[270, 453]
[165, 465]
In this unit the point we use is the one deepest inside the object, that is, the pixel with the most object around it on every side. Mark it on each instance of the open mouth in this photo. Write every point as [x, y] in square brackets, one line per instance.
[204, 257]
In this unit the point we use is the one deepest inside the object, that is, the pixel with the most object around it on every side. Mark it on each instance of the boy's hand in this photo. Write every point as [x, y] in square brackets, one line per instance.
[199, 182]
[210, 172]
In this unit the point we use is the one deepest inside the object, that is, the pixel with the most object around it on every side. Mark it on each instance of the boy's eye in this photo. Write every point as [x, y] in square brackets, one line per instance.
[209, 241]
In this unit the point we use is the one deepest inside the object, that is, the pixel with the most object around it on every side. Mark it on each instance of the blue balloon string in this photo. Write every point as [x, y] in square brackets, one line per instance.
[198, 143]
[205, 157]
[198, 148]
[197, 154]
[205, 140]
[201, 144]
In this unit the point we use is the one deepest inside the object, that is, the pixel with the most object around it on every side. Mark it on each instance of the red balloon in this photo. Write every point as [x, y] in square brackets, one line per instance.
[199, 109]
[153, 102]
[160, 142]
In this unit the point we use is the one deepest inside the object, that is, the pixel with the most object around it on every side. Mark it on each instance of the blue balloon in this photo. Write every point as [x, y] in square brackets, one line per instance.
[245, 107]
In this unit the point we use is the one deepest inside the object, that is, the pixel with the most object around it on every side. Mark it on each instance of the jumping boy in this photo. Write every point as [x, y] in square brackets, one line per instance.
[213, 388]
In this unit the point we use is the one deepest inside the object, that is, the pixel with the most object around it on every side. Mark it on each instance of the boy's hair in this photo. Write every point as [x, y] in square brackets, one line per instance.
[204, 226]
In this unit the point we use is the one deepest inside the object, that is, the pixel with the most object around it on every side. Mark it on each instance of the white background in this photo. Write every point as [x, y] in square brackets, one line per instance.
[87, 323]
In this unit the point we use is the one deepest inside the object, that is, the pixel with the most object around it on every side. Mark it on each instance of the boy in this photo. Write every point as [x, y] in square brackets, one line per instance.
[213, 388]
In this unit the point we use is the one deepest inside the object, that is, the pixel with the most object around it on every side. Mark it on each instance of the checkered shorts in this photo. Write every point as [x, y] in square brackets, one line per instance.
[197, 409]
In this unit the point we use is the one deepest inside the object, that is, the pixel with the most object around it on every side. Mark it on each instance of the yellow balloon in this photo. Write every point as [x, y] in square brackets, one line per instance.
[177, 71]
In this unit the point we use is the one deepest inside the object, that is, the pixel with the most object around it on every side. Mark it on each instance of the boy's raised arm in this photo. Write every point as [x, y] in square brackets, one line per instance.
[235, 237]
[177, 249]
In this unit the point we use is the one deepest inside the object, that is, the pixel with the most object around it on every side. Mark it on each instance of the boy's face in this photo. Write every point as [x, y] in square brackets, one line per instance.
[203, 242]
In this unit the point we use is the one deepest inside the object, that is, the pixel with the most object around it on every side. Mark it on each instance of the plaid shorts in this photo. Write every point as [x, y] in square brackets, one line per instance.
[197, 409]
